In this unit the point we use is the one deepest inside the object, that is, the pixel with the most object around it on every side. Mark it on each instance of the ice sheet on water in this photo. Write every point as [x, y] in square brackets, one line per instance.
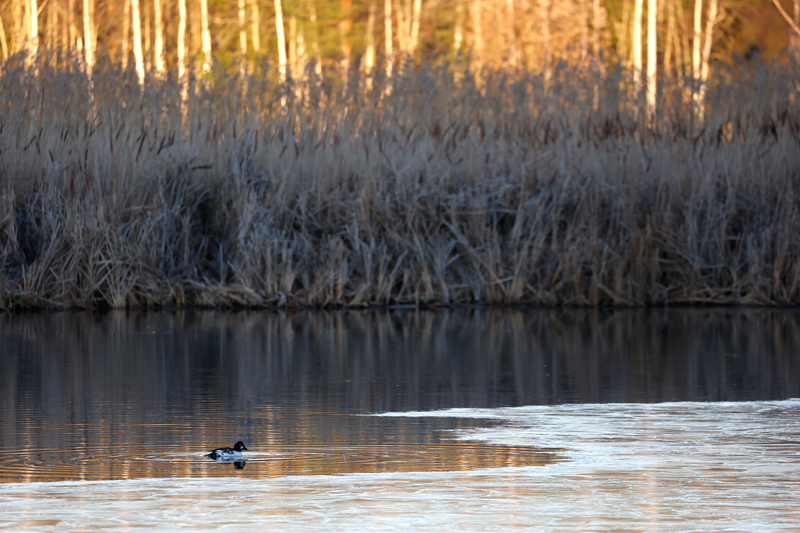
[666, 467]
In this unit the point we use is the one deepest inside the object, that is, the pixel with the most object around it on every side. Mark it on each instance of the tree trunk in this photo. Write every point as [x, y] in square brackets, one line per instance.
[637, 47]
[312, 15]
[369, 55]
[205, 33]
[255, 23]
[544, 9]
[584, 29]
[477, 28]
[281, 40]
[88, 35]
[33, 26]
[402, 25]
[415, 19]
[242, 30]
[137, 40]
[126, 30]
[292, 46]
[182, 74]
[512, 32]
[160, 65]
[696, 38]
[345, 26]
[458, 31]
[705, 68]
[3, 40]
[387, 36]
[652, 67]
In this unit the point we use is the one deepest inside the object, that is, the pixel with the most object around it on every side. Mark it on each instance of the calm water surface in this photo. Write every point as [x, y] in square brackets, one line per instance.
[483, 418]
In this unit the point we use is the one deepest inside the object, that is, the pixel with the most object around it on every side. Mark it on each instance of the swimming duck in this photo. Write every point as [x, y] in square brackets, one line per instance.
[228, 454]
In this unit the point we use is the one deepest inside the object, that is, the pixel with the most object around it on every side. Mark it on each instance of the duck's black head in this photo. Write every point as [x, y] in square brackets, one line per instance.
[239, 446]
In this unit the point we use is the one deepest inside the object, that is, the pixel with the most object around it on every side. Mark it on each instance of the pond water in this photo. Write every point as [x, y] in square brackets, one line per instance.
[667, 420]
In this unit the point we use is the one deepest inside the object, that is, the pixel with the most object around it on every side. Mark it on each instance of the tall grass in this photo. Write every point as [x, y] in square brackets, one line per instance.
[440, 186]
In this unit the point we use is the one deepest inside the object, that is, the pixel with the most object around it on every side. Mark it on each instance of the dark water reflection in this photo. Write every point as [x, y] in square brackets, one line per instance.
[98, 396]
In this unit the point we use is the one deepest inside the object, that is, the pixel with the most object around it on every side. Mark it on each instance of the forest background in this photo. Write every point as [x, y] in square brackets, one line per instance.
[399, 152]
[183, 35]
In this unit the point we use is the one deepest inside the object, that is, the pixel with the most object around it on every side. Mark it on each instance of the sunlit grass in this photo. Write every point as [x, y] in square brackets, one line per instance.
[440, 186]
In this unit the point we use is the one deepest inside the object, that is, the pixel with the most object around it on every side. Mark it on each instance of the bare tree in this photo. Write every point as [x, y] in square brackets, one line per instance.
[415, 21]
[33, 21]
[345, 27]
[637, 46]
[369, 56]
[652, 67]
[88, 35]
[281, 36]
[696, 40]
[242, 29]
[158, 48]
[182, 73]
[476, 9]
[255, 24]
[458, 29]
[388, 40]
[312, 16]
[3, 40]
[205, 33]
[544, 10]
[137, 40]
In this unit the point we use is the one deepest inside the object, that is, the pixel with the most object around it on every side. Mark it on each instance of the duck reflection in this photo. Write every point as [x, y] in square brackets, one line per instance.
[238, 464]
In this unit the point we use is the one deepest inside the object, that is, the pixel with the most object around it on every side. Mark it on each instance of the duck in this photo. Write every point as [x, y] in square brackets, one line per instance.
[228, 454]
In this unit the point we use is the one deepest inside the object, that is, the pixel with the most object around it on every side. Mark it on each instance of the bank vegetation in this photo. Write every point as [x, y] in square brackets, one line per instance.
[442, 185]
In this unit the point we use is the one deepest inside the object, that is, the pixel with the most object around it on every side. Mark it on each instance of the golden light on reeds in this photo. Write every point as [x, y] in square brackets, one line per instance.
[438, 192]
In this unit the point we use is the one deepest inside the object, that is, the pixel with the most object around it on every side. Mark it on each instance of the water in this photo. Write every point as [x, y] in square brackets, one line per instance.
[659, 420]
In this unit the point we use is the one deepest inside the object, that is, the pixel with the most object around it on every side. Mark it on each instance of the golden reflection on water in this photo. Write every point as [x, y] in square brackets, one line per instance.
[94, 464]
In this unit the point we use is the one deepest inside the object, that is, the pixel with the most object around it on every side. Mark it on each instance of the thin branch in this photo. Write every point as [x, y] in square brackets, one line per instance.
[794, 26]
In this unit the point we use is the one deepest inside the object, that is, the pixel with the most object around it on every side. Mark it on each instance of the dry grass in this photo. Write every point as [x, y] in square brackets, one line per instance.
[440, 192]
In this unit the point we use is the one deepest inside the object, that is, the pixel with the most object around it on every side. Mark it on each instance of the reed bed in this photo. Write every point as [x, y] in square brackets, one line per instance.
[441, 186]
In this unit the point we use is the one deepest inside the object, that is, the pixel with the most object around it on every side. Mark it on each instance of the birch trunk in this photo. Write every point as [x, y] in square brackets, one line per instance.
[70, 34]
[281, 36]
[652, 67]
[88, 35]
[637, 47]
[126, 30]
[544, 8]
[205, 35]
[52, 26]
[3, 40]
[705, 68]
[458, 30]
[584, 29]
[292, 46]
[669, 54]
[402, 24]
[137, 40]
[415, 18]
[388, 39]
[597, 23]
[312, 15]
[345, 27]
[512, 33]
[182, 75]
[242, 38]
[33, 26]
[158, 49]
[254, 28]
[696, 38]
[369, 56]
[477, 29]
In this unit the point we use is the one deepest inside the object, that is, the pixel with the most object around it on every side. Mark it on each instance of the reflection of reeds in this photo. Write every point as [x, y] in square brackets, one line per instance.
[436, 192]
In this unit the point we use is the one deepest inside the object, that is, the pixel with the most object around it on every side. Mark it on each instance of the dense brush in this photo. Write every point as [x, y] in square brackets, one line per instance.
[439, 186]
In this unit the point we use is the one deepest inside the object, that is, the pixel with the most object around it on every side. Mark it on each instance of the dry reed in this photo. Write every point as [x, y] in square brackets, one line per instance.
[441, 190]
